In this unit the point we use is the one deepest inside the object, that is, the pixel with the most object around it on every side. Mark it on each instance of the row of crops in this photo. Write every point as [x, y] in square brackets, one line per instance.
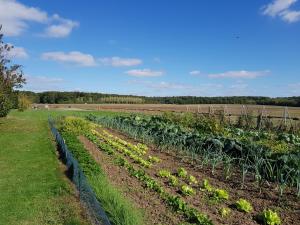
[137, 161]
[265, 156]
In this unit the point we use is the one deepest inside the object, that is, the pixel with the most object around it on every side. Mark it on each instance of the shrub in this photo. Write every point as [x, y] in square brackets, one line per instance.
[23, 102]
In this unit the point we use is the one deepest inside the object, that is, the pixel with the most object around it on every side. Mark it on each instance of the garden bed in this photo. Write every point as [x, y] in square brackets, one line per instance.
[260, 198]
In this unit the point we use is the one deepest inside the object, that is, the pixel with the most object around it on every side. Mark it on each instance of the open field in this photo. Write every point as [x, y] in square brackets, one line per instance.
[234, 110]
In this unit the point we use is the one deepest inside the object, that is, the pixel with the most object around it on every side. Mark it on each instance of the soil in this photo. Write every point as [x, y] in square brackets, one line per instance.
[155, 209]
[266, 197]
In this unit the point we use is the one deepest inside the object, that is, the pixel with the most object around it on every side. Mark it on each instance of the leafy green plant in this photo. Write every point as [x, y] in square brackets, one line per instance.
[225, 212]
[270, 217]
[186, 190]
[173, 181]
[192, 180]
[198, 218]
[182, 172]
[243, 205]
[164, 173]
[154, 159]
[220, 194]
[206, 186]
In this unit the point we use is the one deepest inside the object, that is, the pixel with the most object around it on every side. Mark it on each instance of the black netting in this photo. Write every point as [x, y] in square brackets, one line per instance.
[87, 195]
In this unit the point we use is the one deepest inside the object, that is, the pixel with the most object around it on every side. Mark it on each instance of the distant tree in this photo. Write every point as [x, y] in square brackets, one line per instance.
[11, 78]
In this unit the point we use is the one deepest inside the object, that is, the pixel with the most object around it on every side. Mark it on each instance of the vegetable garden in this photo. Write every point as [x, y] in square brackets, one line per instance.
[205, 174]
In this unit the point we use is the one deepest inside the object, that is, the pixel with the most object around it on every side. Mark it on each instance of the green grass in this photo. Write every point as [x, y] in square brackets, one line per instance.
[33, 188]
[120, 210]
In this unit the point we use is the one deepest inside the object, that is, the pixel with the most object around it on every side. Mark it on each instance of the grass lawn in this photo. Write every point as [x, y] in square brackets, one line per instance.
[33, 187]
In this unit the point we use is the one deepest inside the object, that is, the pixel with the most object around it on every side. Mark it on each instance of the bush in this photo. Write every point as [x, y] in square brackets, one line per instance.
[5, 105]
[23, 102]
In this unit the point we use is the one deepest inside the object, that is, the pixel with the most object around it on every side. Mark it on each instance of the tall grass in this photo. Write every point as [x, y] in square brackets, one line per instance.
[119, 209]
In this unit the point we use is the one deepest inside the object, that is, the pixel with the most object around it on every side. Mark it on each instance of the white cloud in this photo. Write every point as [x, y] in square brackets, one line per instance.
[195, 72]
[119, 62]
[15, 18]
[43, 83]
[144, 73]
[281, 8]
[165, 88]
[17, 52]
[240, 74]
[62, 28]
[290, 16]
[73, 57]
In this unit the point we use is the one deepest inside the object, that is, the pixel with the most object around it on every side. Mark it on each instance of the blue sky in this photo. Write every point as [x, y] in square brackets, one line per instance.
[157, 48]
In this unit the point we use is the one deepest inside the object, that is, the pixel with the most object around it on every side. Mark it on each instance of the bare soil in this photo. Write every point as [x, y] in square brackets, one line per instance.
[233, 109]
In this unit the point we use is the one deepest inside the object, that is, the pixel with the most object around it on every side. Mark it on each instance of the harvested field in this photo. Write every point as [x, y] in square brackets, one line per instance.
[234, 110]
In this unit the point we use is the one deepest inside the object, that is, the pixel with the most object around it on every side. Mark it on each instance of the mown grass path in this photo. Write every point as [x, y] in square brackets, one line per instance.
[33, 188]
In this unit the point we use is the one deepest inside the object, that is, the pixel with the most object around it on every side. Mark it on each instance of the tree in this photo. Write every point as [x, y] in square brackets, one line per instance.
[11, 78]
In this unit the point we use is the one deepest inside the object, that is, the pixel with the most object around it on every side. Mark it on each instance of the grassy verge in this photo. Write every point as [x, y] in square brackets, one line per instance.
[32, 184]
[119, 209]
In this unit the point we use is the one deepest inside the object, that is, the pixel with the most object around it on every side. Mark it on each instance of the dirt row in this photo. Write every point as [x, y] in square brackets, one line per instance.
[158, 213]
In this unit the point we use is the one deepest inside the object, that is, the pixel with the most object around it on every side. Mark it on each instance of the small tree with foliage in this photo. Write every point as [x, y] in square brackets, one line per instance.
[11, 77]
[23, 102]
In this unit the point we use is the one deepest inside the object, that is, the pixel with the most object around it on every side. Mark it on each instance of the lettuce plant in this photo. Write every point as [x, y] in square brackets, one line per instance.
[192, 180]
[206, 186]
[270, 217]
[186, 190]
[164, 173]
[220, 194]
[173, 181]
[243, 205]
[182, 172]
[225, 212]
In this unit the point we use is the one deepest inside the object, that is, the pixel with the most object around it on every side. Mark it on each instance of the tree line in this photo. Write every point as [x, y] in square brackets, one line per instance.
[54, 97]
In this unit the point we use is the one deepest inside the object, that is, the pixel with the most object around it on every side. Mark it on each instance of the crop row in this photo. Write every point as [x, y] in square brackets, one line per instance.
[215, 150]
[176, 202]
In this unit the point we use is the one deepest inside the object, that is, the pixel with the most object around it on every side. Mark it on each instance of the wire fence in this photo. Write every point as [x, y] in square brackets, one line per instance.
[75, 173]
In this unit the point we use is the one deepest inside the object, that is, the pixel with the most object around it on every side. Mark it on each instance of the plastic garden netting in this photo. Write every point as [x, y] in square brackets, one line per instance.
[87, 195]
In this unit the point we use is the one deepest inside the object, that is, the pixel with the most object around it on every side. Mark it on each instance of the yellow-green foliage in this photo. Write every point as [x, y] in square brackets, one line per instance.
[243, 205]
[192, 180]
[206, 186]
[270, 217]
[164, 173]
[74, 125]
[275, 145]
[173, 181]
[182, 172]
[186, 190]
[225, 212]
[221, 194]
[23, 102]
